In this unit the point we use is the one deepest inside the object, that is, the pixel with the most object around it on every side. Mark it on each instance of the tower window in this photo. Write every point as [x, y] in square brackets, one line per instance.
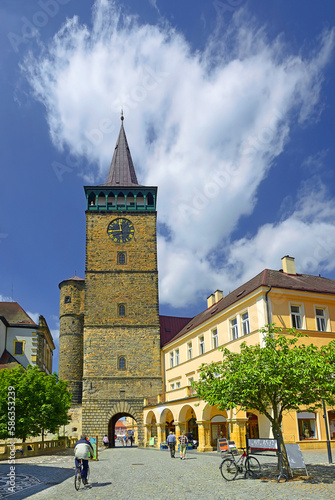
[121, 258]
[67, 299]
[122, 310]
[122, 363]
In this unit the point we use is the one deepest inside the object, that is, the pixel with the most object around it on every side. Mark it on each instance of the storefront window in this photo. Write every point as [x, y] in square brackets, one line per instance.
[331, 419]
[252, 426]
[218, 429]
[307, 425]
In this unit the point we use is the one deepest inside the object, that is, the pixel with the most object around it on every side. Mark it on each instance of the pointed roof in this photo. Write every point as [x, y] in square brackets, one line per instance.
[122, 171]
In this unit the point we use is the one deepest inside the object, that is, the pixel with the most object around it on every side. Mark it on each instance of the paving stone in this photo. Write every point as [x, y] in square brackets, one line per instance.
[137, 473]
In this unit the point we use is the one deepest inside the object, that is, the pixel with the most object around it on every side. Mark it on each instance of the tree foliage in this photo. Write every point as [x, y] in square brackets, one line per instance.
[41, 402]
[282, 375]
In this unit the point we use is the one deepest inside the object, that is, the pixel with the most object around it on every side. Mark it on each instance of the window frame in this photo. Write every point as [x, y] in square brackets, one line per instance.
[124, 254]
[119, 306]
[189, 351]
[171, 359]
[233, 328]
[244, 322]
[325, 317]
[177, 357]
[119, 361]
[15, 342]
[215, 338]
[296, 315]
[202, 349]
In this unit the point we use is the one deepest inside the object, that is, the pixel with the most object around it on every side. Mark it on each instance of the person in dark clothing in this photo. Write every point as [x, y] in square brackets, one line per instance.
[171, 441]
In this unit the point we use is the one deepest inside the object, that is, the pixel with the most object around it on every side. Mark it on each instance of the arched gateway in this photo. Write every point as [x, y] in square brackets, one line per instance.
[110, 333]
[124, 410]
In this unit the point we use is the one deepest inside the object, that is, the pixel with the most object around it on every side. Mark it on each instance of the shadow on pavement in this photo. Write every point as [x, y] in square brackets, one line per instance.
[317, 474]
[31, 479]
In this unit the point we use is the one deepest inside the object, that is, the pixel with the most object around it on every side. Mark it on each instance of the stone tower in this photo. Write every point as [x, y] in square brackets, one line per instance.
[121, 343]
[71, 319]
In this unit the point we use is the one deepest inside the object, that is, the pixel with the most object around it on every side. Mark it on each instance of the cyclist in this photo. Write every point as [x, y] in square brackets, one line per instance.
[81, 451]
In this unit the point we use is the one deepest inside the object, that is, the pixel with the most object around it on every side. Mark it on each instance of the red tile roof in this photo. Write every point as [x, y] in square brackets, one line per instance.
[8, 361]
[15, 315]
[170, 326]
[268, 277]
[74, 278]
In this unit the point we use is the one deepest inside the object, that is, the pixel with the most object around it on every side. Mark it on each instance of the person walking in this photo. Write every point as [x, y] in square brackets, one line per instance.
[183, 445]
[105, 441]
[131, 439]
[171, 441]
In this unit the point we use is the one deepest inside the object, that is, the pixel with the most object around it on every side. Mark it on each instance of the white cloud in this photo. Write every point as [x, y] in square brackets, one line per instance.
[3, 298]
[205, 127]
[34, 316]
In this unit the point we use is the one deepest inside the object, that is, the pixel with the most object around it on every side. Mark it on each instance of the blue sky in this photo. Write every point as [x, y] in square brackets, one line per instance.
[229, 110]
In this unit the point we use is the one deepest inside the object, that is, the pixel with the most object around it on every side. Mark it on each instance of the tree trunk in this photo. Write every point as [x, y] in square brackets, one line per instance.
[277, 432]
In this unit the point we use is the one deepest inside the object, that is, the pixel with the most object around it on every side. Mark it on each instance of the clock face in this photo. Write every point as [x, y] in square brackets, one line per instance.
[121, 230]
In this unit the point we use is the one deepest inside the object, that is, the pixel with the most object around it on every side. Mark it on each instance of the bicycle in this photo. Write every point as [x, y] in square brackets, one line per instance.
[78, 475]
[229, 467]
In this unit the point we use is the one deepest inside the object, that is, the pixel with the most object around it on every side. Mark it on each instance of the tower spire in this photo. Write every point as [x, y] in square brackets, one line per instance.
[121, 171]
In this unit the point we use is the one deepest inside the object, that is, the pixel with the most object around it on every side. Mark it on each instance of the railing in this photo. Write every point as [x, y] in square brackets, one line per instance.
[180, 393]
[35, 448]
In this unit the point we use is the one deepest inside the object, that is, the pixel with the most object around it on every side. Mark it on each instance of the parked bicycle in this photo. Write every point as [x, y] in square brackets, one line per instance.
[230, 467]
[78, 475]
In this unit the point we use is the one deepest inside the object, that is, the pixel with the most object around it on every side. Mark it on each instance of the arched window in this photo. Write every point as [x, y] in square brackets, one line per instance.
[122, 310]
[121, 258]
[91, 200]
[130, 200]
[150, 200]
[111, 200]
[102, 199]
[121, 199]
[122, 363]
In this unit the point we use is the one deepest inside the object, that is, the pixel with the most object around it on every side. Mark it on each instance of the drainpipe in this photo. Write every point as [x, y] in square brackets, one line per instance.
[267, 304]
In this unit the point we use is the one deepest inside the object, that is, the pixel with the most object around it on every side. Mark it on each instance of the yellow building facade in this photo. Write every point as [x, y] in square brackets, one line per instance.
[284, 297]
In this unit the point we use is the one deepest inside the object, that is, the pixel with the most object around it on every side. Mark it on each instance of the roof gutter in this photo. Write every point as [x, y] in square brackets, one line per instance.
[267, 304]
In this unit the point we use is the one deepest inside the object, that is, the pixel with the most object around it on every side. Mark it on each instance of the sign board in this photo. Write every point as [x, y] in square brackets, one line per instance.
[263, 444]
[222, 446]
[295, 458]
[93, 442]
[232, 447]
[152, 441]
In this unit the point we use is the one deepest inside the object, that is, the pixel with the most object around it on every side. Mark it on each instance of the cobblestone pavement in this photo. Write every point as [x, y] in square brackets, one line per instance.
[136, 474]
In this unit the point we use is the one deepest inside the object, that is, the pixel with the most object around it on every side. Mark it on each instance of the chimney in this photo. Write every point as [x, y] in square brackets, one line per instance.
[218, 295]
[210, 300]
[288, 265]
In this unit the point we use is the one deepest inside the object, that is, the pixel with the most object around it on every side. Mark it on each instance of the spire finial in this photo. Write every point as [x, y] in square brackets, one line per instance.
[122, 117]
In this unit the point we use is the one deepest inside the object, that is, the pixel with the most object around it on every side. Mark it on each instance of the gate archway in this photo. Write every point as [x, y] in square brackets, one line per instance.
[124, 409]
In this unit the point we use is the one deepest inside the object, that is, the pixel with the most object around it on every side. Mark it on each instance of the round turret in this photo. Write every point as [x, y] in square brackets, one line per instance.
[71, 317]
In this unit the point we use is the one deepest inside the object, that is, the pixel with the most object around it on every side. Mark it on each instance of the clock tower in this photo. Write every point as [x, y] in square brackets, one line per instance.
[121, 334]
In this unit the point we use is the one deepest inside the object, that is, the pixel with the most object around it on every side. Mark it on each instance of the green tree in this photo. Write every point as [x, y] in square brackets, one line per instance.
[41, 402]
[282, 375]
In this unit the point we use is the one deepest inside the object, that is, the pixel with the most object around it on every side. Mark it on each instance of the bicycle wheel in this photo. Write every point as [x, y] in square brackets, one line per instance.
[252, 466]
[77, 478]
[229, 469]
